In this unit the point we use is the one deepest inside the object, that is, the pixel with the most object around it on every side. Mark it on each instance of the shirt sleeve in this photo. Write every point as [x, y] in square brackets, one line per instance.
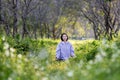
[71, 51]
[58, 51]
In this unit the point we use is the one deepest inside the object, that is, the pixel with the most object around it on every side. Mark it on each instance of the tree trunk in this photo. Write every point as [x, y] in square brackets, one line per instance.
[7, 29]
[95, 32]
[48, 32]
[41, 31]
[45, 29]
[15, 17]
[24, 32]
[0, 12]
[35, 31]
[53, 33]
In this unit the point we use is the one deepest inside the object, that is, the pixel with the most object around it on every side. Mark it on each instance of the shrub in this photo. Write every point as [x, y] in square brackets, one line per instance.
[88, 50]
[95, 60]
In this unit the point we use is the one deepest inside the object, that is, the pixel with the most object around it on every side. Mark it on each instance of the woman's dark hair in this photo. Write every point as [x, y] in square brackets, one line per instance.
[62, 36]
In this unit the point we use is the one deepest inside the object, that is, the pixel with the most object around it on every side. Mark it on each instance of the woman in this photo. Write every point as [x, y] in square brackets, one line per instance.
[64, 49]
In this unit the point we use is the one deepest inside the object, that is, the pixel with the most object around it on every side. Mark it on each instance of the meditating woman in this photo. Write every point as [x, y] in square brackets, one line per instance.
[64, 49]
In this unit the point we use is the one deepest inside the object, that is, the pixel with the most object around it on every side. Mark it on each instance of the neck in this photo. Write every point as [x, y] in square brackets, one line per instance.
[64, 41]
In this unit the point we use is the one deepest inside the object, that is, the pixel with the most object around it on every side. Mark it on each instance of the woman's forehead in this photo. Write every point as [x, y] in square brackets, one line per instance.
[64, 35]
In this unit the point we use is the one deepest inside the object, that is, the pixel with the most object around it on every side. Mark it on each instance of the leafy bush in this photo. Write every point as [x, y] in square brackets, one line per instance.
[87, 50]
[95, 60]
[27, 45]
[1, 44]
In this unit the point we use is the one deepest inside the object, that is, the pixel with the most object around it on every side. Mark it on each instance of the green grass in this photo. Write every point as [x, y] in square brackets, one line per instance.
[35, 60]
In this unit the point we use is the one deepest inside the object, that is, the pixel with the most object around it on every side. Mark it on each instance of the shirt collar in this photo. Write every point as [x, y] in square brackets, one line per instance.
[64, 42]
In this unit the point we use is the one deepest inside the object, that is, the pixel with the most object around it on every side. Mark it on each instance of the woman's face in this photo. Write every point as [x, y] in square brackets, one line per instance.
[64, 37]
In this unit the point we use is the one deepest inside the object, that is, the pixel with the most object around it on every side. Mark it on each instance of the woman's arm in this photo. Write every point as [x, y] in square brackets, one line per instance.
[58, 51]
[72, 51]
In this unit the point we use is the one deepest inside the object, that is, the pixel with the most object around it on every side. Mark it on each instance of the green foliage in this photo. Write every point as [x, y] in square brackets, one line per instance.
[118, 42]
[26, 45]
[96, 60]
[1, 44]
[88, 50]
[107, 0]
[22, 46]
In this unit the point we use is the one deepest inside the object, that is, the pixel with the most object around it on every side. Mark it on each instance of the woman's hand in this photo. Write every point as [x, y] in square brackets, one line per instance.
[56, 58]
[73, 56]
